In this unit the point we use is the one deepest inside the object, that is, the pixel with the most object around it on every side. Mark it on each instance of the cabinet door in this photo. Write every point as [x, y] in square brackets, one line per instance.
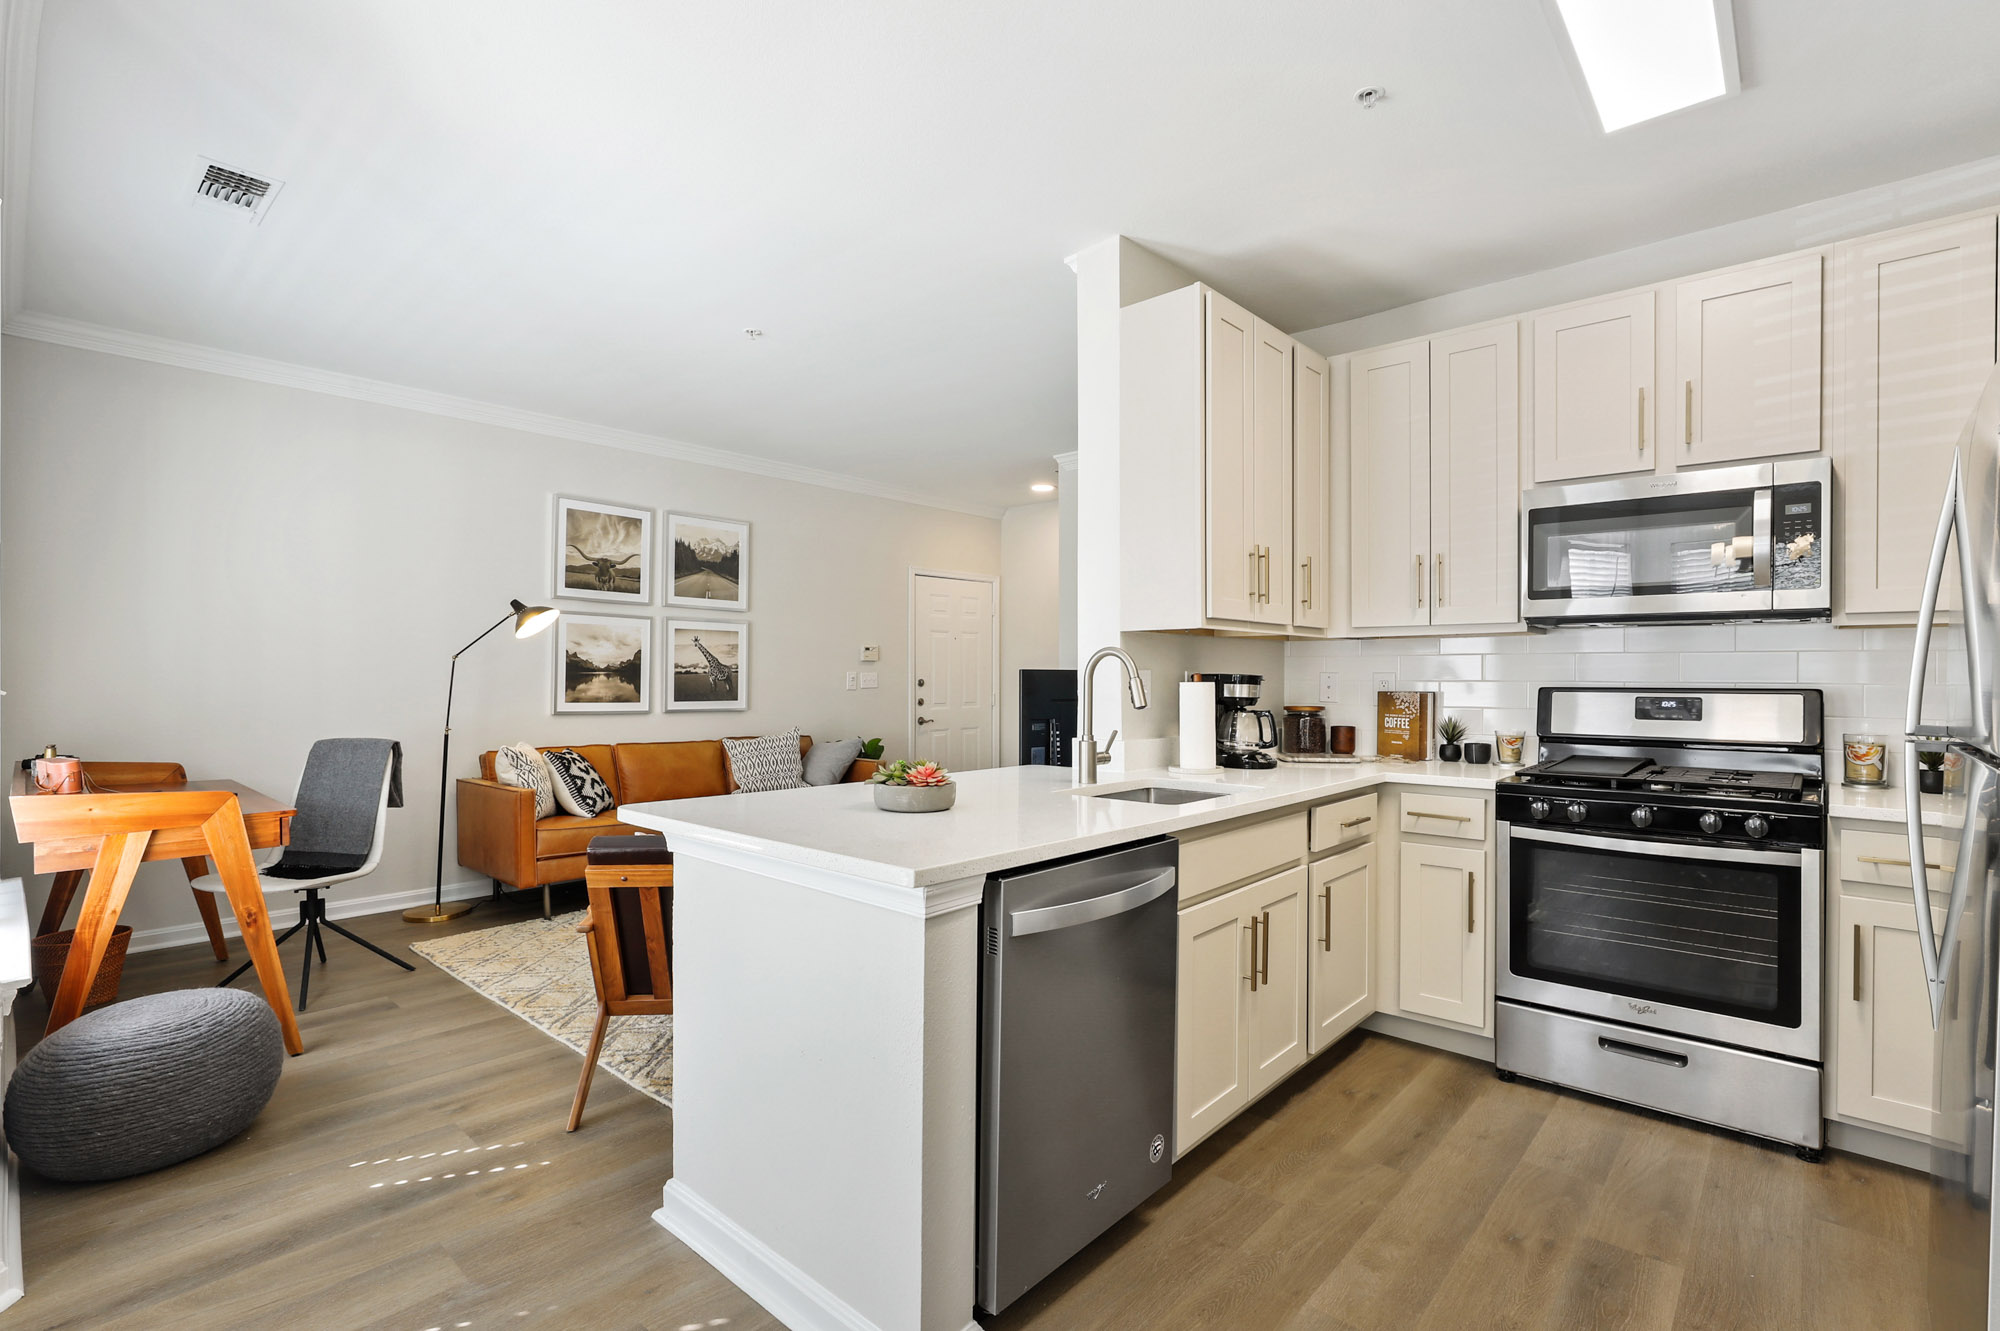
[1211, 994]
[1389, 447]
[1277, 1030]
[1915, 344]
[1341, 946]
[1270, 480]
[1233, 572]
[1442, 947]
[1312, 496]
[1475, 476]
[1747, 362]
[1885, 1064]
[1594, 398]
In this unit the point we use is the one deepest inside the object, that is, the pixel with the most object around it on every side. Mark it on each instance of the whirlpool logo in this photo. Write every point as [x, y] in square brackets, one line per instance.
[1642, 1009]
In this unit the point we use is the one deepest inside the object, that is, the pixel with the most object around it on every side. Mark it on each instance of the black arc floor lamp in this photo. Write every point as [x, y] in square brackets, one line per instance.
[528, 621]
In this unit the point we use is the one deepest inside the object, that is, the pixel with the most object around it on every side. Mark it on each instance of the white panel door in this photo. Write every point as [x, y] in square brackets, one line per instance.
[1277, 1017]
[1389, 450]
[1234, 565]
[1476, 476]
[1210, 994]
[1747, 362]
[1442, 948]
[953, 696]
[1594, 399]
[1341, 943]
[1271, 473]
[1885, 1056]
[1312, 458]
[1915, 339]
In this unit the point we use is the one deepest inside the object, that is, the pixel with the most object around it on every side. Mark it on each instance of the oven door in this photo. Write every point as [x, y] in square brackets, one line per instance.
[1717, 943]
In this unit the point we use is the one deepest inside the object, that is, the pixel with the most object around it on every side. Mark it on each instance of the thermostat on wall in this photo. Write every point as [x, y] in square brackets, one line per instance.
[871, 653]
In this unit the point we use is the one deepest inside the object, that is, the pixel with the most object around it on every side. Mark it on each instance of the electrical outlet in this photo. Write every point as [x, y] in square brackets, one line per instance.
[869, 679]
[871, 653]
[1329, 687]
[853, 679]
[1385, 680]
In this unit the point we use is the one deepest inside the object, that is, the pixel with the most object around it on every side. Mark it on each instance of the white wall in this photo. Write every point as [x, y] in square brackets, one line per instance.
[217, 572]
[1030, 606]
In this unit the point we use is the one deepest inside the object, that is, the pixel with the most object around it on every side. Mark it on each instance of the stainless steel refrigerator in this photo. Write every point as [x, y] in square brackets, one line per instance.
[1954, 705]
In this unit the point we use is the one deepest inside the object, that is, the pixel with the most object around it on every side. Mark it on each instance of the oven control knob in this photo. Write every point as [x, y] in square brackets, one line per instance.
[1539, 809]
[1756, 825]
[1642, 817]
[1575, 812]
[1711, 823]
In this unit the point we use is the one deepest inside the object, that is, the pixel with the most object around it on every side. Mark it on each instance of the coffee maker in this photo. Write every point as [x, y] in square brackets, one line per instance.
[1245, 737]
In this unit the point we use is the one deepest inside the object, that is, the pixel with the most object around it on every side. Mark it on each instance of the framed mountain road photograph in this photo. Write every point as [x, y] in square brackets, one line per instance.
[708, 562]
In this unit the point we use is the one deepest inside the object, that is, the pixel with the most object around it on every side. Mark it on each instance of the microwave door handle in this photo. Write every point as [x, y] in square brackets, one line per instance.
[1927, 611]
[1760, 539]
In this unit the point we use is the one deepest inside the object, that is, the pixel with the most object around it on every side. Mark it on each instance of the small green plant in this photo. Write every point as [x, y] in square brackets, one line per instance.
[872, 750]
[1932, 759]
[904, 772]
[1451, 730]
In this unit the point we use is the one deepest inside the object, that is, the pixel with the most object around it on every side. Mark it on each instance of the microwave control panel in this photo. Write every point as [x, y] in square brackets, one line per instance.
[1798, 533]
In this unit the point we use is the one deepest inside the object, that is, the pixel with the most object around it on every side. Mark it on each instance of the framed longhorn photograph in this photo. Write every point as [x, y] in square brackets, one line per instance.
[603, 664]
[603, 552]
[707, 663]
[708, 562]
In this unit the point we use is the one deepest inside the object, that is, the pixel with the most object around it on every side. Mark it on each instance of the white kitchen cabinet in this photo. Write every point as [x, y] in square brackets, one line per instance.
[1442, 944]
[1594, 399]
[1914, 342]
[1312, 493]
[1341, 944]
[1277, 1013]
[1747, 362]
[1233, 565]
[1212, 998]
[1389, 491]
[1884, 1062]
[1475, 475]
[1268, 474]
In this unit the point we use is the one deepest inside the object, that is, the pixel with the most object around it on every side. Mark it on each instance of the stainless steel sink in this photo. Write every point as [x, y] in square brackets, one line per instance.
[1160, 795]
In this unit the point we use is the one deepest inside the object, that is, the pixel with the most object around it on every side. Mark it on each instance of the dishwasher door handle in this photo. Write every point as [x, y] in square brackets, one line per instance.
[1042, 919]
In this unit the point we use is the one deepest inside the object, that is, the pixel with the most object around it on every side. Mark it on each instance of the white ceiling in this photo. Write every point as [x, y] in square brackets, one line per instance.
[577, 208]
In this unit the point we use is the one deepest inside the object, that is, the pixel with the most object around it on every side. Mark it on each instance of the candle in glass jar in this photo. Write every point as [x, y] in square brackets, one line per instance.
[1866, 760]
[1509, 743]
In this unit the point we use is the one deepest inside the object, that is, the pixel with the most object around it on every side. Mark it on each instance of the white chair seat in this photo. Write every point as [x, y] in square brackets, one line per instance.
[211, 882]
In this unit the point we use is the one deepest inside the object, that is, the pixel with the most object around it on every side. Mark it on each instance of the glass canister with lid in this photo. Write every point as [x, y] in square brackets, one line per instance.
[1303, 731]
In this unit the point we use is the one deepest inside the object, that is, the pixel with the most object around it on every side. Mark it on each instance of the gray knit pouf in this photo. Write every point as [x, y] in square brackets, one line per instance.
[144, 1084]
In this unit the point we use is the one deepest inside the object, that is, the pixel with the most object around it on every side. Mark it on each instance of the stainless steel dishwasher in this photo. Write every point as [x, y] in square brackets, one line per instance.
[1076, 1056]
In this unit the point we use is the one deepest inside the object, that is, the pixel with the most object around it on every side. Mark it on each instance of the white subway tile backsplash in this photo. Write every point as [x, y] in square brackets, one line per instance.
[1439, 667]
[1510, 644]
[1459, 693]
[1883, 667]
[1538, 668]
[1740, 667]
[1883, 699]
[1580, 640]
[1629, 668]
[1842, 699]
[1680, 638]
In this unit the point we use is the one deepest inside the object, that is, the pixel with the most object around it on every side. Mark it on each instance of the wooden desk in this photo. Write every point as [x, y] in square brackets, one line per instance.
[137, 812]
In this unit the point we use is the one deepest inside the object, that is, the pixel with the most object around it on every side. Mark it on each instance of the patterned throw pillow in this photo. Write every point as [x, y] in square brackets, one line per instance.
[522, 765]
[769, 762]
[579, 789]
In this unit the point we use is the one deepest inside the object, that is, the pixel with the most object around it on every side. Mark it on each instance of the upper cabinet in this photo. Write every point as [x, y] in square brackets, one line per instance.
[1913, 344]
[1216, 468]
[1434, 457]
[1594, 395]
[1747, 362]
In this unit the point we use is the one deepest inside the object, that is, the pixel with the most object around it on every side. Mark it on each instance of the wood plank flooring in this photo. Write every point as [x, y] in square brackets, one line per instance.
[1385, 1186]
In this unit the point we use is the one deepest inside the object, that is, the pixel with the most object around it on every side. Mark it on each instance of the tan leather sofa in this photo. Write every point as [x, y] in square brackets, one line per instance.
[499, 835]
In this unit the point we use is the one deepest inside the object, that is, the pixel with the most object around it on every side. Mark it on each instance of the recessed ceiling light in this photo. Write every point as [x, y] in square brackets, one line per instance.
[753, 333]
[1639, 61]
[1042, 488]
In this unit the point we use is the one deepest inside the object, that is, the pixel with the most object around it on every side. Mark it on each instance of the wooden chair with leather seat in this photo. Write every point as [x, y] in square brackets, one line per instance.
[629, 932]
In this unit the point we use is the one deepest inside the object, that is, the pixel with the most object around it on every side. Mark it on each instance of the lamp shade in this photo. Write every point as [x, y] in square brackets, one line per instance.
[532, 619]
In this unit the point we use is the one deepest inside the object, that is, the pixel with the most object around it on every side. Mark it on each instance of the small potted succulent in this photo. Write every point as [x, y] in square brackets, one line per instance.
[1450, 730]
[905, 786]
[1931, 779]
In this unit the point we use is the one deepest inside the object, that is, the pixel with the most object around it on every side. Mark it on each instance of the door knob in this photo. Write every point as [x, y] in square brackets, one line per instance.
[923, 720]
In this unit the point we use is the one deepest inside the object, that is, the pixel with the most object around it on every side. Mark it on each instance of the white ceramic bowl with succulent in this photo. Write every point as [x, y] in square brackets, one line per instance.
[905, 786]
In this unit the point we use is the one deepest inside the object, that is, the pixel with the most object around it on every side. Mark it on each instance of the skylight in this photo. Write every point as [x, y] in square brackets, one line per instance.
[1642, 60]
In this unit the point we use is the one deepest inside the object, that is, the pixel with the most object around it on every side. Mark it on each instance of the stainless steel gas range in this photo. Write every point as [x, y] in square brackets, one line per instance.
[1661, 909]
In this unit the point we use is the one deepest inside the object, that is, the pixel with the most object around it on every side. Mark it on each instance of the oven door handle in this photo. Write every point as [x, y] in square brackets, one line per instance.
[1664, 849]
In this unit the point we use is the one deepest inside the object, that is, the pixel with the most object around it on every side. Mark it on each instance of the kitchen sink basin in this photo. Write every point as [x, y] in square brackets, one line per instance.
[1160, 795]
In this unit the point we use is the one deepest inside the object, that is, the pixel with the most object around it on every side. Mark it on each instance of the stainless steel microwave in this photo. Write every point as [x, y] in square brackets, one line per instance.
[1696, 546]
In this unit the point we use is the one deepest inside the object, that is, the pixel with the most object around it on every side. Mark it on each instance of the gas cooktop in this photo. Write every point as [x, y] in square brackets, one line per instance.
[1596, 772]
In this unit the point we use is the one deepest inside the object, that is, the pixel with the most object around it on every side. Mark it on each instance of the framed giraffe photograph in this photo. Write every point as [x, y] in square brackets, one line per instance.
[706, 665]
[603, 552]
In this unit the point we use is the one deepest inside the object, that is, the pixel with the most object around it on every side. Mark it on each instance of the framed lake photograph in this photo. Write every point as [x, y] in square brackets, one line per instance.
[706, 661]
[603, 663]
[708, 562]
[603, 552]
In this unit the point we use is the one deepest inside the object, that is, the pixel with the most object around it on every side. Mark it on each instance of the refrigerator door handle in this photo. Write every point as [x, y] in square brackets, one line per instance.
[1933, 582]
[1920, 886]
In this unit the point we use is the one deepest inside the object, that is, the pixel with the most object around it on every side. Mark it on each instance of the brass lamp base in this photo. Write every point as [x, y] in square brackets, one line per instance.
[449, 910]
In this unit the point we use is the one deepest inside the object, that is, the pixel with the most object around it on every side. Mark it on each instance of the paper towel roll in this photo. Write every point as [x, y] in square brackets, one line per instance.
[1197, 725]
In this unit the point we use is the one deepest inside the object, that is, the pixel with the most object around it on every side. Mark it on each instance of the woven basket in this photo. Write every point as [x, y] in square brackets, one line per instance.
[51, 953]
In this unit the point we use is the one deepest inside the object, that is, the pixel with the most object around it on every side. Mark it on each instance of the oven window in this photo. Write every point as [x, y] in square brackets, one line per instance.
[1661, 546]
[1707, 934]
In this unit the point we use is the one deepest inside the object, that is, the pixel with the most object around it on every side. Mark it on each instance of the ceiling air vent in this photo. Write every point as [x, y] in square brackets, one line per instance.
[235, 191]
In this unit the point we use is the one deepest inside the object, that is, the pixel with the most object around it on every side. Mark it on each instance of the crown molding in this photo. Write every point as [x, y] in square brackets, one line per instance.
[236, 365]
[20, 45]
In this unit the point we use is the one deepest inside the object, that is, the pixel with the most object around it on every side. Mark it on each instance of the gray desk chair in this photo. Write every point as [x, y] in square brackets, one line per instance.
[331, 802]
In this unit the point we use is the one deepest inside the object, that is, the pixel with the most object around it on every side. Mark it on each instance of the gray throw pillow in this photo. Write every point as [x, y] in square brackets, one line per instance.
[768, 762]
[827, 763]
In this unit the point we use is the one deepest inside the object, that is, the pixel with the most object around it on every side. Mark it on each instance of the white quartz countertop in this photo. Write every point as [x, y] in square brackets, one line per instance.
[1884, 804]
[1005, 816]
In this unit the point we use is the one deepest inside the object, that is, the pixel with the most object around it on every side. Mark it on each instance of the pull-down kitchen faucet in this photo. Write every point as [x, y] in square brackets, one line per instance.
[1087, 757]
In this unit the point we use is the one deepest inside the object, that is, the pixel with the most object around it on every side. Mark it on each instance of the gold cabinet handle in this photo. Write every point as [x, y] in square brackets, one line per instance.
[1326, 942]
[1265, 576]
[1253, 954]
[1440, 581]
[1687, 415]
[1306, 567]
[1642, 422]
[1356, 822]
[1857, 963]
[1267, 949]
[1443, 817]
[1898, 864]
[1253, 572]
[1420, 582]
[1469, 922]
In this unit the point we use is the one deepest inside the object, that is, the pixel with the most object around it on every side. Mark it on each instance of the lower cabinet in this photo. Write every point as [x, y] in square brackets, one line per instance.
[1442, 944]
[1884, 1068]
[1340, 951]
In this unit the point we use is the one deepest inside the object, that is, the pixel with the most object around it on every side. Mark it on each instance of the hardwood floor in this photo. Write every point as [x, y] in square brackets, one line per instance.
[1385, 1186]
[1390, 1186]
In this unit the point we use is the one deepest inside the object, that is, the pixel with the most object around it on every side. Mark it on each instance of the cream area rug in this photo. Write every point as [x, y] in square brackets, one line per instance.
[539, 970]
